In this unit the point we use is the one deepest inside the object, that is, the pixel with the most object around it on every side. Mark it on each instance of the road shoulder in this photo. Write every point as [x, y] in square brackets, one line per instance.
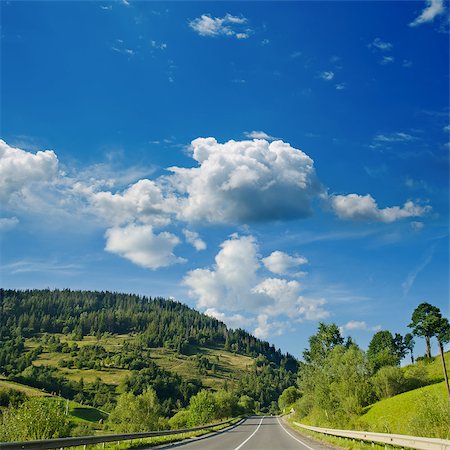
[311, 442]
[198, 438]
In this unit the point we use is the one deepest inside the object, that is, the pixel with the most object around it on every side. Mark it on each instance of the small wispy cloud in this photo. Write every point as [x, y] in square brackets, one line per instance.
[407, 63]
[394, 137]
[259, 135]
[387, 60]
[125, 2]
[106, 7]
[228, 25]
[411, 278]
[120, 47]
[358, 325]
[341, 86]
[239, 81]
[265, 42]
[433, 9]
[53, 266]
[378, 44]
[8, 223]
[295, 55]
[158, 45]
[326, 75]
[417, 226]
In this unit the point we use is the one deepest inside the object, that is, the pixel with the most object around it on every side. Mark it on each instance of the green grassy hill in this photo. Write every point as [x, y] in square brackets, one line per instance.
[432, 367]
[406, 413]
[91, 347]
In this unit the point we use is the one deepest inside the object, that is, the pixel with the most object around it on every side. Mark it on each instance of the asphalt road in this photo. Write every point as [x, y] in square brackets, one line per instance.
[255, 433]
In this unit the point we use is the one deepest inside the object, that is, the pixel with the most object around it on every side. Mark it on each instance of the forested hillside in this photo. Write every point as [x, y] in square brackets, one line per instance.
[112, 351]
[160, 322]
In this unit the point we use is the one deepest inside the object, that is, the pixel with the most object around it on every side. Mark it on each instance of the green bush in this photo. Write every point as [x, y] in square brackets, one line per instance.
[416, 376]
[304, 406]
[136, 413]
[246, 404]
[389, 381]
[288, 397]
[202, 408]
[179, 420]
[226, 404]
[11, 397]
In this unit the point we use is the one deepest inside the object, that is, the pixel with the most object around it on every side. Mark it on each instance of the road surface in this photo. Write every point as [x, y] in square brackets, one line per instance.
[255, 433]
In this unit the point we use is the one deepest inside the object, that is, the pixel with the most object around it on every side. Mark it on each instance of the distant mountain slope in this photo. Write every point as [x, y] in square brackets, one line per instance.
[91, 346]
[162, 322]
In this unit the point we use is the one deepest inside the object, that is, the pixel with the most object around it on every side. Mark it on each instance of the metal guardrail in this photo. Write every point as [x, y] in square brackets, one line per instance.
[89, 440]
[398, 440]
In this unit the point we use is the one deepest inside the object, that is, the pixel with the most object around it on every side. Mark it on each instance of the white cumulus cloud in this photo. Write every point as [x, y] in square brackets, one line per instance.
[281, 263]
[139, 244]
[232, 277]
[232, 320]
[234, 286]
[22, 171]
[266, 329]
[433, 9]
[364, 207]
[242, 181]
[143, 201]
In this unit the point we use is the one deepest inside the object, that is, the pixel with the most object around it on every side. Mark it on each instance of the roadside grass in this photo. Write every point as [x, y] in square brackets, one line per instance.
[159, 440]
[336, 441]
[396, 414]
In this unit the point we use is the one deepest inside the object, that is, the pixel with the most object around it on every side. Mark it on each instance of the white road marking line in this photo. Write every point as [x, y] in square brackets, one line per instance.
[237, 448]
[293, 437]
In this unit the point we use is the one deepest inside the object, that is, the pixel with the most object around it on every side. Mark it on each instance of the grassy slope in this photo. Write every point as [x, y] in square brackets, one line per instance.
[228, 365]
[79, 414]
[27, 390]
[433, 368]
[394, 415]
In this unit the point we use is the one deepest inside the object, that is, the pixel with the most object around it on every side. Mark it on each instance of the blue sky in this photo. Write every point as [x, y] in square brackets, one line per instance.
[273, 164]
